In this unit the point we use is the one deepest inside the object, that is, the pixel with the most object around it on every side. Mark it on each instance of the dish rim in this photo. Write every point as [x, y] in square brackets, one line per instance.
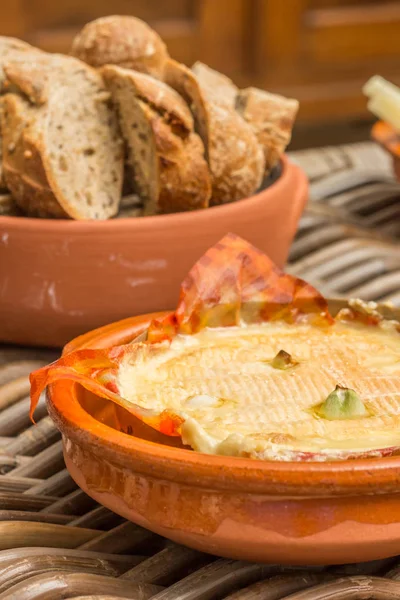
[386, 136]
[334, 478]
[43, 225]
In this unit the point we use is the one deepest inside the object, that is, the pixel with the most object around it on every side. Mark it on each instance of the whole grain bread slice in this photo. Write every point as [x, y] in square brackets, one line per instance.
[165, 155]
[64, 157]
[10, 48]
[234, 155]
[22, 162]
[271, 116]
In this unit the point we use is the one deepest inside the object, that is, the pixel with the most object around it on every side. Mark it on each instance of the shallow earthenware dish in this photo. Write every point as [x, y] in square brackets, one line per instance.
[294, 513]
[389, 139]
[59, 279]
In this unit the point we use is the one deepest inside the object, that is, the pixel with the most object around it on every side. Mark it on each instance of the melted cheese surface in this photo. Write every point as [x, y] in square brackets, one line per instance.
[234, 402]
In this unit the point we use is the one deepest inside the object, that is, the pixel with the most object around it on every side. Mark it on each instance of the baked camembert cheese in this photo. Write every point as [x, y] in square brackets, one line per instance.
[234, 400]
[298, 385]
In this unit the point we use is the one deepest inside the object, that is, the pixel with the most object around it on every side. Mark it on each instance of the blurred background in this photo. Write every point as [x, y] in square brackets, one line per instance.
[319, 51]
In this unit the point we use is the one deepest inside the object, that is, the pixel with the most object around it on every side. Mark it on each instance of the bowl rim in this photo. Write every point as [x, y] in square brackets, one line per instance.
[355, 476]
[386, 136]
[42, 225]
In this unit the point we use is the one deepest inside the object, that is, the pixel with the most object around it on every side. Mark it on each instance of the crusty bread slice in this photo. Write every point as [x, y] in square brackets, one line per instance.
[166, 156]
[63, 158]
[163, 99]
[271, 117]
[215, 85]
[236, 158]
[29, 76]
[183, 80]
[234, 155]
[10, 48]
[23, 166]
[121, 40]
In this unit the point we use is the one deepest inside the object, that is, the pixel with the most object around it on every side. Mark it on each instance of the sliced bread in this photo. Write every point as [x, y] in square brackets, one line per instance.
[183, 80]
[236, 158]
[22, 162]
[30, 76]
[161, 98]
[165, 155]
[215, 85]
[10, 48]
[121, 40]
[271, 117]
[234, 155]
[63, 158]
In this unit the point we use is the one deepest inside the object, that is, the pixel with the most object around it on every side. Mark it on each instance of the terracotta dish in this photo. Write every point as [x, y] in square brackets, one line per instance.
[132, 459]
[59, 279]
[389, 139]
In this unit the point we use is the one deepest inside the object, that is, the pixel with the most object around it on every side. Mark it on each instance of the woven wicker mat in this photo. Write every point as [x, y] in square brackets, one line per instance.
[56, 542]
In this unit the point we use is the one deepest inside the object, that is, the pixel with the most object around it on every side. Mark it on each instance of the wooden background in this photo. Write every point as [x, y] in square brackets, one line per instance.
[319, 51]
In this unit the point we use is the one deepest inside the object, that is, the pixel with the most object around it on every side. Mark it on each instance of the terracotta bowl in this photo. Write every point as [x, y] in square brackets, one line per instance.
[294, 513]
[59, 279]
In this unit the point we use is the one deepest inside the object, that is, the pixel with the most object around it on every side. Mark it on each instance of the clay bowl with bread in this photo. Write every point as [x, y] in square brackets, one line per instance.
[116, 119]
[246, 501]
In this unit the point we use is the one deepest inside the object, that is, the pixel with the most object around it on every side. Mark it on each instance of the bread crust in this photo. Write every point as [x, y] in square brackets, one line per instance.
[215, 85]
[271, 117]
[185, 182]
[121, 40]
[11, 49]
[22, 162]
[183, 179]
[183, 80]
[30, 78]
[234, 155]
[162, 99]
